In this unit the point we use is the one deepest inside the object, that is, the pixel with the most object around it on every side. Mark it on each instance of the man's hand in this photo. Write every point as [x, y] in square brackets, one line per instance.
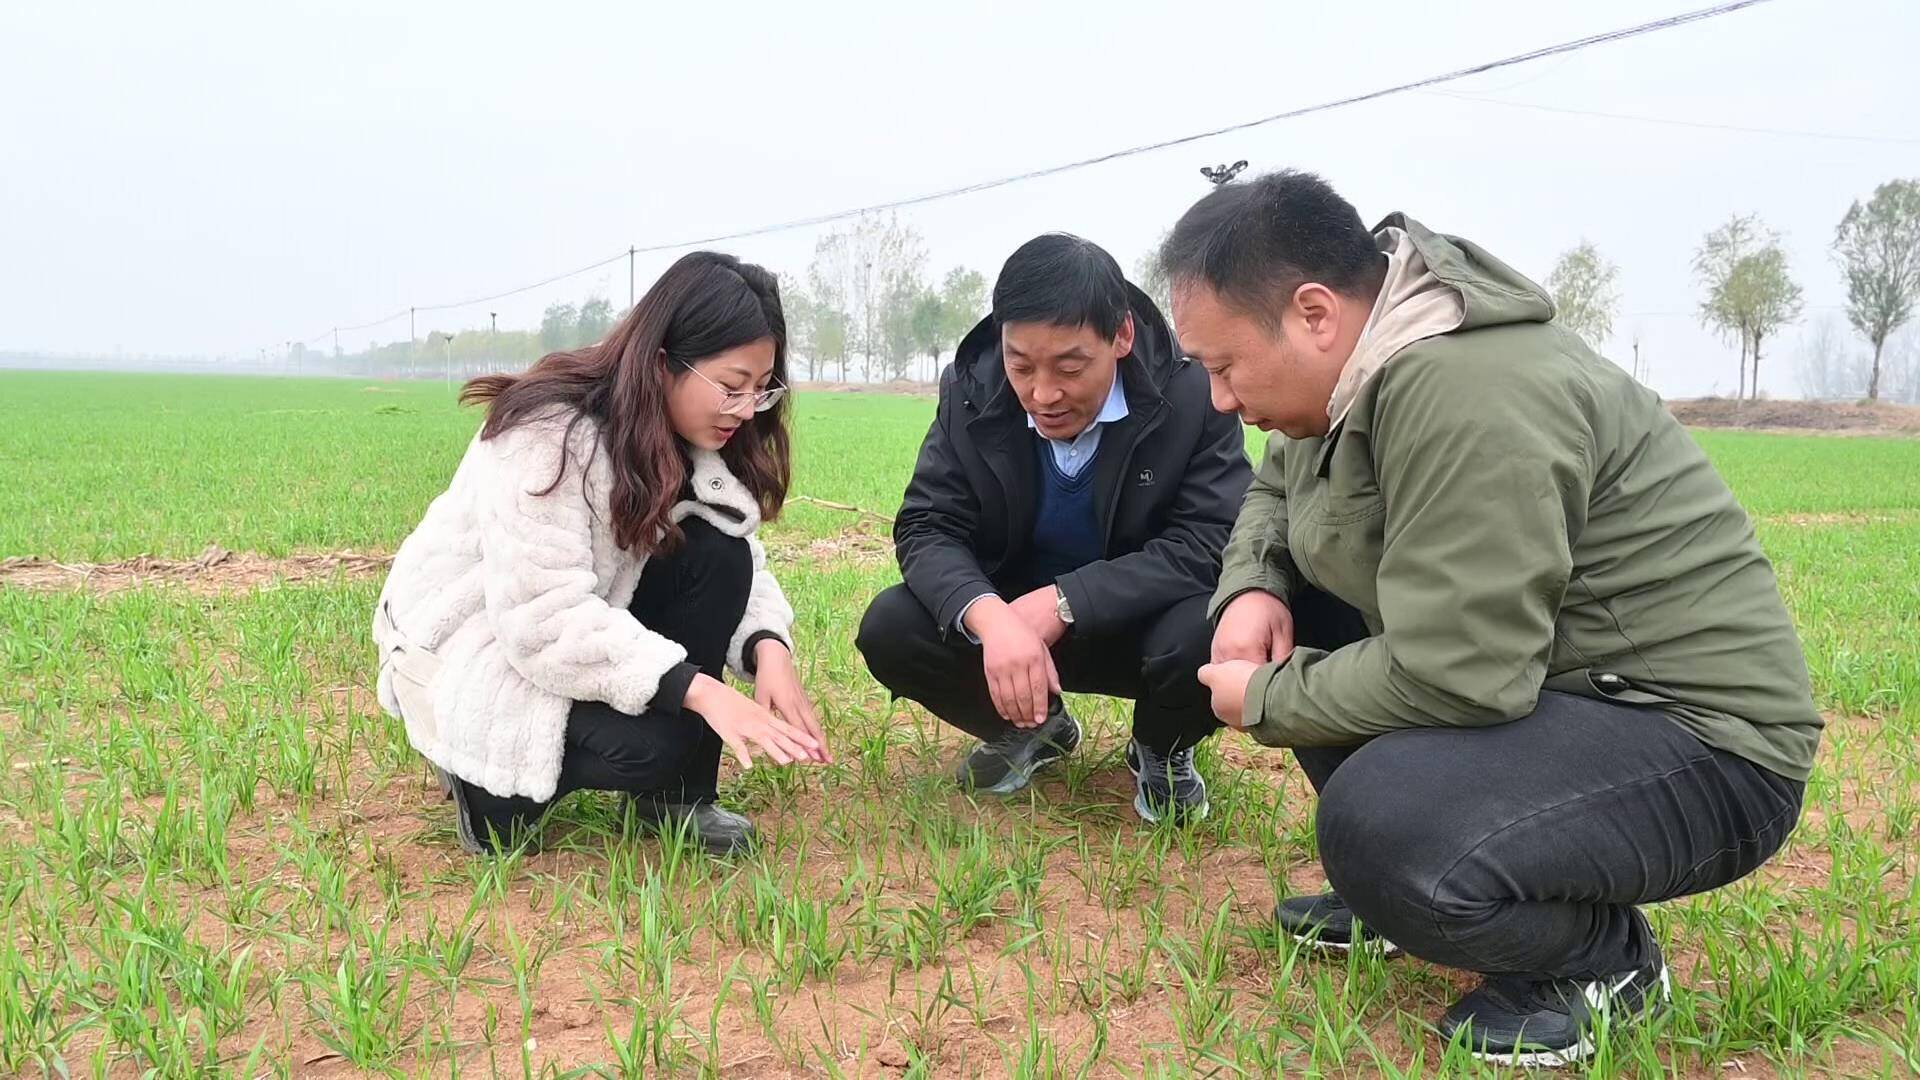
[777, 688]
[1256, 627]
[1040, 610]
[1018, 662]
[1228, 681]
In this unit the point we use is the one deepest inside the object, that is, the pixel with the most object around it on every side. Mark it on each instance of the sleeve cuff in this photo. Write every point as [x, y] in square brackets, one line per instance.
[747, 661]
[1231, 591]
[672, 694]
[960, 620]
[1253, 710]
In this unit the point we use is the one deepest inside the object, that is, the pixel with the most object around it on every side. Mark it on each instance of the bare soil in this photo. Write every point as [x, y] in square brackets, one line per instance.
[216, 570]
[1833, 417]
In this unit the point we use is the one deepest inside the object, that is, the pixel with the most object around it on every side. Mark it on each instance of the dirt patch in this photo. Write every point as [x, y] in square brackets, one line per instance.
[1831, 417]
[898, 387]
[215, 571]
[1811, 520]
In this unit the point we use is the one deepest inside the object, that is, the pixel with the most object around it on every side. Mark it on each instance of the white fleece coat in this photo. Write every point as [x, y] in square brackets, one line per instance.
[522, 599]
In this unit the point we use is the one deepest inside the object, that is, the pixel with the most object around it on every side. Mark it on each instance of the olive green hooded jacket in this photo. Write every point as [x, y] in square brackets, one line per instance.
[1510, 512]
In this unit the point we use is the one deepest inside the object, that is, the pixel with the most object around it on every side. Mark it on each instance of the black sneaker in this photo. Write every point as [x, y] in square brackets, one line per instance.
[1326, 922]
[1166, 785]
[718, 830]
[1007, 764]
[1552, 1022]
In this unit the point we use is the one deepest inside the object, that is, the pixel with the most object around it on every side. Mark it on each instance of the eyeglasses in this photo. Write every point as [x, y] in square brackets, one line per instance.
[731, 400]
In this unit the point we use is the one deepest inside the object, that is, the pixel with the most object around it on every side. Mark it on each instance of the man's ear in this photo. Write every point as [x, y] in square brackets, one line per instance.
[1319, 309]
[1123, 341]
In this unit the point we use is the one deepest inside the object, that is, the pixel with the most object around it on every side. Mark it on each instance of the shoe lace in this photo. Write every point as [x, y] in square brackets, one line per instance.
[1163, 766]
[1011, 739]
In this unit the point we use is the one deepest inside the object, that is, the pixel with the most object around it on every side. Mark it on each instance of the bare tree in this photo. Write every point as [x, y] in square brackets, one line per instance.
[797, 305]
[1585, 296]
[859, 267]
[1152, 278]
[1878, 248]
[1901, 379]
[1827, 370]
[895, 326]
[830, 279]
[1750, 295]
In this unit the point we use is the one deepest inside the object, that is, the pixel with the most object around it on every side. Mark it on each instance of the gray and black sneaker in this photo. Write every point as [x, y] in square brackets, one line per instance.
[1553, 1022]
[462, 814]
[1007, 764]
[1326, 922]
[718, 830]
[477, 835]
[1166, 785]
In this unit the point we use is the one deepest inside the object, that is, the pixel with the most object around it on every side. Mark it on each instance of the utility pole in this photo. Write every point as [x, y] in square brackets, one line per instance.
[410, 340]
[493, 341]
[448, 338]
[630, 250]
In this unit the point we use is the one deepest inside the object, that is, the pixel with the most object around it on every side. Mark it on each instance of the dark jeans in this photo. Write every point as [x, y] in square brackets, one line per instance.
[1522, 848]
[696, 596]
[1155, 664]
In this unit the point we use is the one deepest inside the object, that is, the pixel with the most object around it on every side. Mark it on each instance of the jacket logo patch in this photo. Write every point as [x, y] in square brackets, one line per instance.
[1146, 477]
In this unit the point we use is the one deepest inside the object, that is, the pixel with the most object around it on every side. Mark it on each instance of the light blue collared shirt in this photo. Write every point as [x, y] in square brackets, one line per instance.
[1070, 456]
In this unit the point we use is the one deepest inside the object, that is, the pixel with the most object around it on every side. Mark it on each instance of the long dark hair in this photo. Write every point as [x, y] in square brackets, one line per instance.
[705, 304]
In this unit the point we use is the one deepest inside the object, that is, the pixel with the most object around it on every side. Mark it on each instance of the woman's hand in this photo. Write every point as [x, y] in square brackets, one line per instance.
[776, 687]
[741, 723]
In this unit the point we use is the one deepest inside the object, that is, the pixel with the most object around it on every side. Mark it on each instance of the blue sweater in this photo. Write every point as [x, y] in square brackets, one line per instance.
[1066, 533]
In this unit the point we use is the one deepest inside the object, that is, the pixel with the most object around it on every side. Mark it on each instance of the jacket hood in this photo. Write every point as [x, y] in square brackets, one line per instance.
[1433, 285]
[1491, 292]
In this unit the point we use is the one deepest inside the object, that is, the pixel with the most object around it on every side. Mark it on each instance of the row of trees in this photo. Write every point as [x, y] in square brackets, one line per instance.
[866, 298]
[1751, 293]
[866, 295]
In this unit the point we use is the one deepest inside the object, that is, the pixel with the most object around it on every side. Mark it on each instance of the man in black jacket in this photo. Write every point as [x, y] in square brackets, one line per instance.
[1063, 530]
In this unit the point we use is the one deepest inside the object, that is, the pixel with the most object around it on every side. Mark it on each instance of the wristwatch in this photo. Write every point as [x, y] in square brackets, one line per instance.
[1061, 607]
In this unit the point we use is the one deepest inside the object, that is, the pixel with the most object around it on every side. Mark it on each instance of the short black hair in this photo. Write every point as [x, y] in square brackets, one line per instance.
[1257, 241]
[1061, 280]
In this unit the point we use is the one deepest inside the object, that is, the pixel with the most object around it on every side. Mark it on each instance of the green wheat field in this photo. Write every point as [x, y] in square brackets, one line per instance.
[218, 857]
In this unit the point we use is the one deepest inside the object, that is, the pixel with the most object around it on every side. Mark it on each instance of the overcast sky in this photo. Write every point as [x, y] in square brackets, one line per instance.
[220, 178]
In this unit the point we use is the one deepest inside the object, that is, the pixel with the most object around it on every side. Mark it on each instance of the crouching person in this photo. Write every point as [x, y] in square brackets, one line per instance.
[561, 618]
[1511, 622]
[1062, 531]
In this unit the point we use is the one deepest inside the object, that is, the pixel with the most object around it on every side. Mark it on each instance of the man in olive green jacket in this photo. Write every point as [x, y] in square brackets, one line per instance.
[1515, 627]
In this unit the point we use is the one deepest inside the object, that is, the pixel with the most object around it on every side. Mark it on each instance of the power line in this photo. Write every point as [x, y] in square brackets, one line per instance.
[523, 288]
[1574, 45]
[1897, 139]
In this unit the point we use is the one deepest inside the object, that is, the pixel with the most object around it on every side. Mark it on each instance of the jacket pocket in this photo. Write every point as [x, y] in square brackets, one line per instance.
[1604, 686]
[412, 672]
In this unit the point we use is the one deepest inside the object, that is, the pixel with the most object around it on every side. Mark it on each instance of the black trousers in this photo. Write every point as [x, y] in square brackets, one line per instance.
[1155, 663]
[696, 596]
[1522, 848]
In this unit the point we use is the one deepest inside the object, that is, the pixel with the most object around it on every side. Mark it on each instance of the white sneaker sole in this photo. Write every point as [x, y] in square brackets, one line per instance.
[1152, 817]
[1386, 948]
[1580, 1051]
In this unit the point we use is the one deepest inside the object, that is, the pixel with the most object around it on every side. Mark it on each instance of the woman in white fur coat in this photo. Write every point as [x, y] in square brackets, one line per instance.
[560, 619]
